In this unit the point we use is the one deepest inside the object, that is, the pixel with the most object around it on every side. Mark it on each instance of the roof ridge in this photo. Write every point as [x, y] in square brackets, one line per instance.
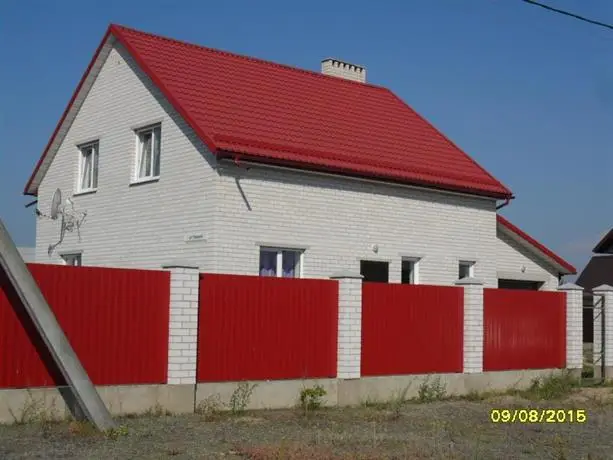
[450, 142]
[249, 58]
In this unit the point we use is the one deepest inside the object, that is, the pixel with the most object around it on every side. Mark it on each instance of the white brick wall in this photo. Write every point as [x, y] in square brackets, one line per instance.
[473, 324]
[511, 257]
[183, 326]
[339, 219]
[574, 325]
[349, 326]
[132, 226]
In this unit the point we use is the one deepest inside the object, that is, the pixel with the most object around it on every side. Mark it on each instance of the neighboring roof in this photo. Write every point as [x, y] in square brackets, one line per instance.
[566, 268]
[282, 115]
[605, 246]
[598, 271]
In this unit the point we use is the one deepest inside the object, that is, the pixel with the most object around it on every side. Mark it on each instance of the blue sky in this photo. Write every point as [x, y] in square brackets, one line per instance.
[527, 93]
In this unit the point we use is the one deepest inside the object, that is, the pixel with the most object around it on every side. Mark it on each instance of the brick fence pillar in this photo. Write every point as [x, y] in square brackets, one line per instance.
[473, 324]
[605, 292]
[349, 325]
[574, 328]
[183, 324]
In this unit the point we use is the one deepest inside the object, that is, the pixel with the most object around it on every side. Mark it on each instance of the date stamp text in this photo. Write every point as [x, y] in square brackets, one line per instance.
[538, 416]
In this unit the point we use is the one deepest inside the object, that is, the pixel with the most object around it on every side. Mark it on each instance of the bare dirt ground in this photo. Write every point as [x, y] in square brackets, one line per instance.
[450, 429]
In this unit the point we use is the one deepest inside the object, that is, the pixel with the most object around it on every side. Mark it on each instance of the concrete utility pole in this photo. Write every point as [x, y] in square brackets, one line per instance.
[53, 336]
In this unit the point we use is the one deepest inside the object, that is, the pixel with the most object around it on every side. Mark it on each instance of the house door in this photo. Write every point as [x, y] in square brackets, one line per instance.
[374, 271]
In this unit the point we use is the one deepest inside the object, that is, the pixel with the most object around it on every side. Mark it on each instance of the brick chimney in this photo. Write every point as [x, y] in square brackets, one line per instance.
[342, 69]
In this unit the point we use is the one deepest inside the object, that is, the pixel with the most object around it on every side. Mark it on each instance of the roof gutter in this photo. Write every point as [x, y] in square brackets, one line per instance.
[507, 201]
[243, 160]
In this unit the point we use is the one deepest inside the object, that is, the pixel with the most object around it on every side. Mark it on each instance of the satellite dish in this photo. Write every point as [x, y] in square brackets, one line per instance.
[71, 219]
[56, 202]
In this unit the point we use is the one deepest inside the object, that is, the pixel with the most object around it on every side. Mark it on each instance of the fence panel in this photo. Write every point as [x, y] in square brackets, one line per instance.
[115, 319]
[411, 329]
[258, 328]
[524, 329]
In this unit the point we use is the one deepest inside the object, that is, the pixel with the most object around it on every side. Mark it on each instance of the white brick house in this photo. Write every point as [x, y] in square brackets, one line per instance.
[296, 197]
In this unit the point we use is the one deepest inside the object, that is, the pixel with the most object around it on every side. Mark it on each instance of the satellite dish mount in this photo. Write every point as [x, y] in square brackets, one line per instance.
[70, 218]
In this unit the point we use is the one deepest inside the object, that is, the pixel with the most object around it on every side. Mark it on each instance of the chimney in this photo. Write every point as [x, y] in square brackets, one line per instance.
[342, 69]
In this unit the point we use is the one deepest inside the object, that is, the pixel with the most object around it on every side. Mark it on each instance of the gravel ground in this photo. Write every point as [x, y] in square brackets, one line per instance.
[441, 430]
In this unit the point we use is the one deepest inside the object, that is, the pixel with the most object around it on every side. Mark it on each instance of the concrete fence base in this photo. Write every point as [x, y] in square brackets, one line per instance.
[26, 405]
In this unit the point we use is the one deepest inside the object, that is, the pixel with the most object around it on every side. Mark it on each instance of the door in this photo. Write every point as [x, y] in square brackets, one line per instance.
[519, 284]
[374, 271]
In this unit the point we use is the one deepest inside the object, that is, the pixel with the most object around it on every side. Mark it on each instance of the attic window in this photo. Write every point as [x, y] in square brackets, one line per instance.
[148, 152]
[88, 167]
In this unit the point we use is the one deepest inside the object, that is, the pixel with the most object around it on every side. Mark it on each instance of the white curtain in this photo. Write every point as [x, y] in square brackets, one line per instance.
[86, 179]
[145, 156]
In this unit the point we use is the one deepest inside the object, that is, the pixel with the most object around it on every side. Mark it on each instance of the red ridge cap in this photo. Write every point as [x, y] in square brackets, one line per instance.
[548, 252]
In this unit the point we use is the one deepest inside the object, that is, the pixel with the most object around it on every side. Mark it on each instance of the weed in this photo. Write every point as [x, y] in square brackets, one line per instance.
[157, 411]
[312, 398]
[115, 433]
[240, 397]
[431, 391]
[81, 428]
[370, 402]
[210, 407]
[398, 401]
[551, 387]
[33, 410]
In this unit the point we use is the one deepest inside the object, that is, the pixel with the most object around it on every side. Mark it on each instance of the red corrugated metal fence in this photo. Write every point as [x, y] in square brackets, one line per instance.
[524, 329]
[115, 319]
[409, 329]
[257, 328]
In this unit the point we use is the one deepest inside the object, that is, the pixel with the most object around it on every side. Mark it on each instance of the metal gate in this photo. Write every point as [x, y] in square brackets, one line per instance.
[593, 338]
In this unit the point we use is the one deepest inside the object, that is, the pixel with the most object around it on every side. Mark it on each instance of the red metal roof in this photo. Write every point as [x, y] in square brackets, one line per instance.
[548, 252]
[283, 115]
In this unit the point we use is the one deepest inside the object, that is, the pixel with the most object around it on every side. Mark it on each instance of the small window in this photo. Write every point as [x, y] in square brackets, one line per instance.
[72, 259]
[148, 153]
[282, 263]
[409, 271]
[88, 167]
[373, 271]
[467, 269]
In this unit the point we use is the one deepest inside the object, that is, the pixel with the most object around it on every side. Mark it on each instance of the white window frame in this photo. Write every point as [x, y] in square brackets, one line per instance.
[92, 148]
[279, 251]
[471, 267]
[415, 272]
[156, 131]
[68, 256]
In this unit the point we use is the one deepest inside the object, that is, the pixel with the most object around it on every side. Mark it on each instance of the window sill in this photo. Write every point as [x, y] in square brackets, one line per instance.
[147, 180]
[85, 192]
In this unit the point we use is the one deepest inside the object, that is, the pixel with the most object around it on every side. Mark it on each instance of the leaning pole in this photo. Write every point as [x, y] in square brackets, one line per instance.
[35, 305]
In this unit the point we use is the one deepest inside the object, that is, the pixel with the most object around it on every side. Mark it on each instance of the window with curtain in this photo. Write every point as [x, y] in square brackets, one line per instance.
[88, 171]
[282, 263]
[149, 152]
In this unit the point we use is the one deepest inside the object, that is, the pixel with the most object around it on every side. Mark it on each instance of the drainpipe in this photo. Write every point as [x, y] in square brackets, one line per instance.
[506, 203]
